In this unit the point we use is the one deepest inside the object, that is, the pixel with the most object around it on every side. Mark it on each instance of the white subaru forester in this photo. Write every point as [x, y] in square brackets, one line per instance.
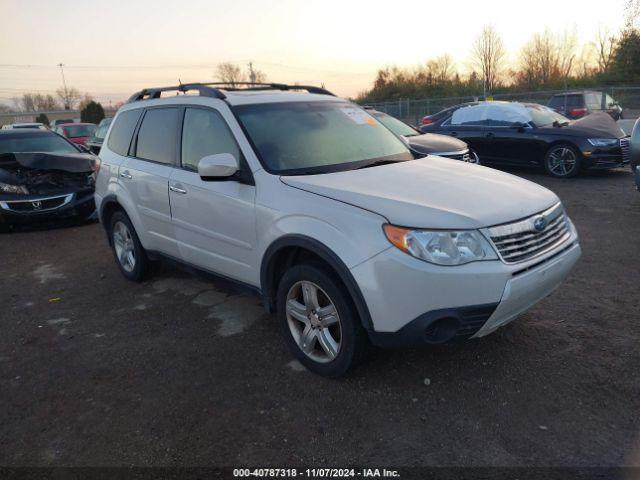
[316, 206]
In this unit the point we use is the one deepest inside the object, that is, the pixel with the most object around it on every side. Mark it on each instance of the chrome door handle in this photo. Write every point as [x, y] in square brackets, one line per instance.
[126, 175]
[176, 189]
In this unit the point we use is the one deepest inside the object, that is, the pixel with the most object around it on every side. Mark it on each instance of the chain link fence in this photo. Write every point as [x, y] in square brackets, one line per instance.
[412, 110]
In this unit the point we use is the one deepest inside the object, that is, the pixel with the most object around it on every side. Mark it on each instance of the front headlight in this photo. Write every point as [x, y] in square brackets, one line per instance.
[603, 142]
[15, 189]
[441, 247]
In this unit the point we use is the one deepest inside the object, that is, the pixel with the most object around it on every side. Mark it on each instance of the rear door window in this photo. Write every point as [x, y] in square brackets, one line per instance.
[122, 131]
[506, 116]
[469, 116]
[157, 135]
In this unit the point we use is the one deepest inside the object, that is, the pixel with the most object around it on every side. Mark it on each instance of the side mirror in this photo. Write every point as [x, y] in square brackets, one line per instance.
[220, 165]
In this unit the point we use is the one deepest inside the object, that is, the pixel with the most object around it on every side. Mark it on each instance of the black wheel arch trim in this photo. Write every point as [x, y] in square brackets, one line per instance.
[108, 200]
[326, 254]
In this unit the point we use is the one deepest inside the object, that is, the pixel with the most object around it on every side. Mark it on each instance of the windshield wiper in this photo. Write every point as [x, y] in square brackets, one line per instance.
[377, 163]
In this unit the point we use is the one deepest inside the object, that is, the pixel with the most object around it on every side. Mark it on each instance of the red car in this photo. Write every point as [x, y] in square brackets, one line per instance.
[77, 133]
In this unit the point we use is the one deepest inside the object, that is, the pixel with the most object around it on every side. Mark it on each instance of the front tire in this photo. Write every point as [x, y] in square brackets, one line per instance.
[127, 249]
[562, 161]
[319, 321]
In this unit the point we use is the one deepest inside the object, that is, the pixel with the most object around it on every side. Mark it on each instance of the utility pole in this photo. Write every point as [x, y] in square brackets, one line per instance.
[64, 84]
[252, 73]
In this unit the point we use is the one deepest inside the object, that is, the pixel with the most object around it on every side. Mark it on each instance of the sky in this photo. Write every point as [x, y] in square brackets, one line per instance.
[111, 48]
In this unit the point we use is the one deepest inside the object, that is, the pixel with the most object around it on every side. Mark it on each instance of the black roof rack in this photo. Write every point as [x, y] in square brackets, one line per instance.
[214, 89]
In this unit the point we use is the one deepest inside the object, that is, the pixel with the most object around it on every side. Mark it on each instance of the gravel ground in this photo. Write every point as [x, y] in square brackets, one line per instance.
[182, 371]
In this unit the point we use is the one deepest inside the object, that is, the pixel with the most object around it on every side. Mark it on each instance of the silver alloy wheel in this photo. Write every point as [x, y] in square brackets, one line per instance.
[314, 321]
[562, 161]
[123, 245]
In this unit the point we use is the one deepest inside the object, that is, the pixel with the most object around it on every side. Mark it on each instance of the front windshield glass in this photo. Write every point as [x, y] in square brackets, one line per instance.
[50, 143]
[101, 132]
[395, 125]
[77, 131]
[543, 116]
[317, 137]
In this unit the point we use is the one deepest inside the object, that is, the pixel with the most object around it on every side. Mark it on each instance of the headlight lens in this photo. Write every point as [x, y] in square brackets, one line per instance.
[14, 189]
[603, 142]
[441, 247]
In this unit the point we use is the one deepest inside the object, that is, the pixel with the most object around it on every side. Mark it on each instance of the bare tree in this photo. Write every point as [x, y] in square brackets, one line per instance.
[84, 101]
[69, 97]
[230, 73]
[488, 55]
[440, 69]
[605, 46]
[548, 57]
[566, 45]
[31, 102]
[632, 13]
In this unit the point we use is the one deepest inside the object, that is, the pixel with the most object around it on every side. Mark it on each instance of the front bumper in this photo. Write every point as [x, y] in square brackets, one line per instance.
[17, 210]
[604, 158]
[475, 298]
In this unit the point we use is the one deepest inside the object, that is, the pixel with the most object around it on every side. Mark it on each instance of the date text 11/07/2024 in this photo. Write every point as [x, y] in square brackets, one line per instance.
[315, 473]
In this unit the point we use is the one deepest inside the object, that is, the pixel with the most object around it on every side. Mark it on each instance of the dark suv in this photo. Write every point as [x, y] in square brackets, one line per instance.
[578, 104]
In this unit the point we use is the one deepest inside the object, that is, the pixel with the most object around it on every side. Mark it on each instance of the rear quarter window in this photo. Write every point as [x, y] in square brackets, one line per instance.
[122, 131]
[157, 135]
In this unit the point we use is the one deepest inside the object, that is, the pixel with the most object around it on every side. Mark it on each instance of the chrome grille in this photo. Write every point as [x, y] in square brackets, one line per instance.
[36, 204]
[463, 155]
[626, 150]
[533, 236]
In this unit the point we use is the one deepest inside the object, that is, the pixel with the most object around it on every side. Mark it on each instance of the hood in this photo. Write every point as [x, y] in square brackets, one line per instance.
[434, 193]
[594, 125]
[67, 162]
[434, 144]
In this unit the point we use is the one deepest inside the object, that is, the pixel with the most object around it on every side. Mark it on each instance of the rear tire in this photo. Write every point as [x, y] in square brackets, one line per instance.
[127, 249]
[319, 321]
[562, 161]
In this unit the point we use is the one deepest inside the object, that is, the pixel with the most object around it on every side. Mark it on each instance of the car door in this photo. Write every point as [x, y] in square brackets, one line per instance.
[145, 175]
[214, 219]
[468, 124]
[509, 133]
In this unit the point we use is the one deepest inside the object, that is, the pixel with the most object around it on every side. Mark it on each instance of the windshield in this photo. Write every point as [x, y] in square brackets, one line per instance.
[543, 116]
[49, 143]
[75, 131]
[317, 137]
[396, 126]
[101, 132]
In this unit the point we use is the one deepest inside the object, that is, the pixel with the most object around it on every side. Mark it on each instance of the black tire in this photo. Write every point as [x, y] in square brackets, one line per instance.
[566, 151]
[140, 267]
[353, 342]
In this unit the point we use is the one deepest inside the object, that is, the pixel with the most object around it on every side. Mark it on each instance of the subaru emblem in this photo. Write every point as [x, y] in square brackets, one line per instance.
[540, 223]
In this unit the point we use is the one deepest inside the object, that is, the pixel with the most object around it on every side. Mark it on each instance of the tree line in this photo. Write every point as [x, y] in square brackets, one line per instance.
[548, 61]
[64, 99]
